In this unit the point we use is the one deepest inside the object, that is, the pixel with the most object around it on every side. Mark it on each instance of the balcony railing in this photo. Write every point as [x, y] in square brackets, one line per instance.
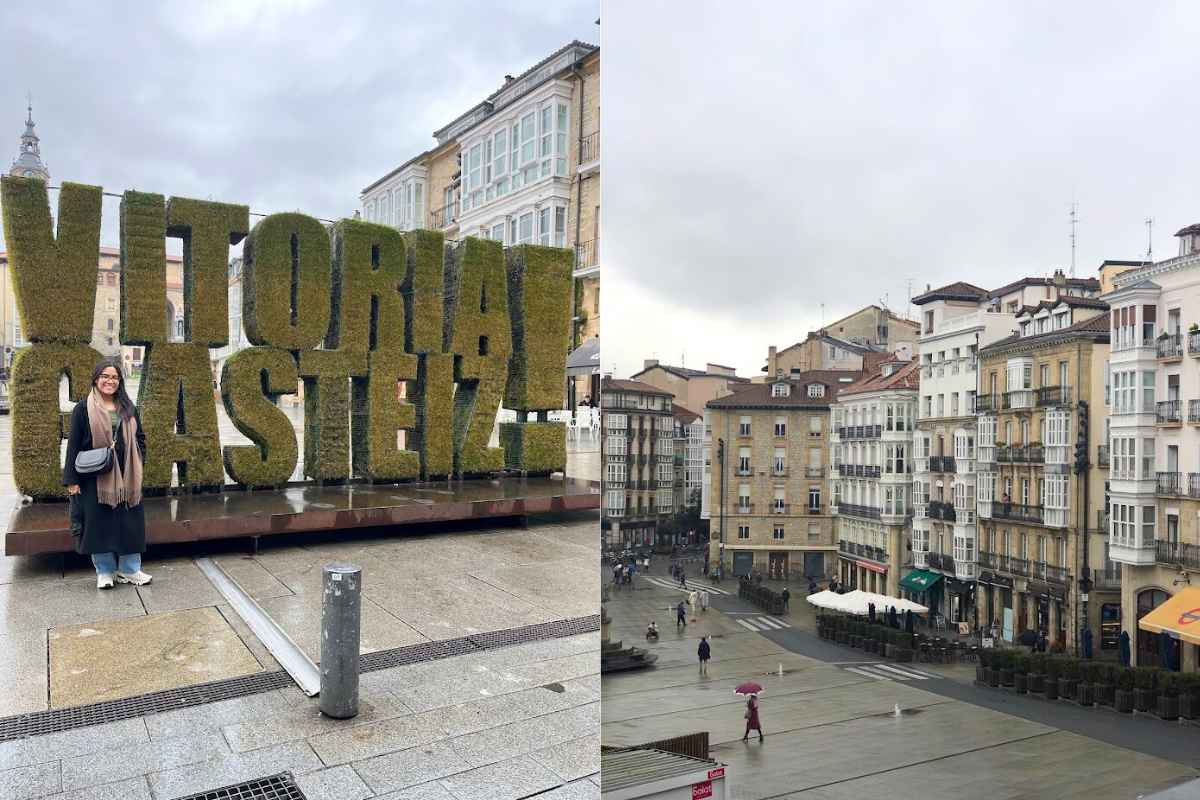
[1169, 483]
[1054, 396]
[589, 148]
[1193, 341]
[1177, 554]
[863, 550]
[1194, 484]
[1170, 346]
[860, 431]
[1048, 572]
[814, 472]
[1107, 578]
[1102, 520]
[814, 510]
[941, 561]
[446, 216]
[587, 254]
[1193, 410]
[1102, 455]
[942, 511]
[1029, 454]
[1168, 412]
[987, 403]
[780, 508]
[941, 464]
[1018, 512]
[850, 509]
[1002, 563]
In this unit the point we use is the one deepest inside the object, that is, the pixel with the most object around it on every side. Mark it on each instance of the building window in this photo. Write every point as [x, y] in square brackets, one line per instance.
[780, 461]
[814, 426]
[777, 534]
[816, 390]
[743, 531]
[743, 461]
[781, 426]
[744, 426]
[779, 389]
[814, 499]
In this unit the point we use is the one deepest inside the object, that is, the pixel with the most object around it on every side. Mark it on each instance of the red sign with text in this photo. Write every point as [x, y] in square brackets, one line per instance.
[719, 772]
[701, 790]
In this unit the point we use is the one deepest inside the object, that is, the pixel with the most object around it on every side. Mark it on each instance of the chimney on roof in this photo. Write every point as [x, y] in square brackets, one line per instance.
[508, 78]
[1060, 281]
[772, 363]
[928, 288]
[649, 362]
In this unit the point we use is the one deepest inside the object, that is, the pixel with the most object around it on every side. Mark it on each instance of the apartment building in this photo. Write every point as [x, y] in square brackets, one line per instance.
[637, 449]
[871, 468]
[769, 499]
[689, 464]
[845, 344]
[1029, 292]
[691, 388]
[956, 320]
[1154, 510]
[522, 166]
[1038, 527]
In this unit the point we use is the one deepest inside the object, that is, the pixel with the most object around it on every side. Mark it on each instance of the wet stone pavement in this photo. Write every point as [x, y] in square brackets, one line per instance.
[831, 733]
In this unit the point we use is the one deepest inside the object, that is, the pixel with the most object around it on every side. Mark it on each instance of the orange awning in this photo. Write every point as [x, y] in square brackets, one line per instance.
[1179, 617]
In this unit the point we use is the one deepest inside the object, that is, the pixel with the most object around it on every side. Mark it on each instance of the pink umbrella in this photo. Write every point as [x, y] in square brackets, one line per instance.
[749, 687]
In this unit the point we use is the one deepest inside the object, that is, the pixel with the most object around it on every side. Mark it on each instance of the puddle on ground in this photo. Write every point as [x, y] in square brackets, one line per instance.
[555, 687]
[904, 712]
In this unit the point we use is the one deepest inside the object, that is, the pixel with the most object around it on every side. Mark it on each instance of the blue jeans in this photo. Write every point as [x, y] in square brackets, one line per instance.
[107, 563]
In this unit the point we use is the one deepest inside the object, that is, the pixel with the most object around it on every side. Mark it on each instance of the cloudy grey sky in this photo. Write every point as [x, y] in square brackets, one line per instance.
[280, 104]
[762, 159]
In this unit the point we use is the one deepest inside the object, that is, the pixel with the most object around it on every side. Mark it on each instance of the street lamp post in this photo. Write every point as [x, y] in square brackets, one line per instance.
[721, 532]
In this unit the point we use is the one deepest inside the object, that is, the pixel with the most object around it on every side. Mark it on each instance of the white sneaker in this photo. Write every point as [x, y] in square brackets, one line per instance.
[138, 578]
[104, 581]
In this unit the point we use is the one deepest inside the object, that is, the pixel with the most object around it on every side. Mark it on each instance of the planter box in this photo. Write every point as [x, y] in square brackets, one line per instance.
[1066, 688]
[1051, 689]
[1123, 701]
[1145, 699]
[1189, 706]
[842, 637]
[1021, 682]
[854, 640]
[993, 677]
[889, 650]
[903, 654]
[1037, 683]
[1006, 677]
[1103, 693]
[980, 674]
[1168, 707]
[1085, 694]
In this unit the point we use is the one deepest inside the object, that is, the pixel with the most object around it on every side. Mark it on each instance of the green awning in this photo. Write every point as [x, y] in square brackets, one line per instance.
[919, 580]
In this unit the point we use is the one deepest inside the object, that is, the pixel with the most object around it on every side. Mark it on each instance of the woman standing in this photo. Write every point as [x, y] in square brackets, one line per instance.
[752, 723]
[114, 526]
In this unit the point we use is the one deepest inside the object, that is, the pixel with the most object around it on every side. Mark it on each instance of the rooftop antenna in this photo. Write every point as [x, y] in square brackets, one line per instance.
[1150, 239]
[1074, 222]
[908, 308]
[822, 316]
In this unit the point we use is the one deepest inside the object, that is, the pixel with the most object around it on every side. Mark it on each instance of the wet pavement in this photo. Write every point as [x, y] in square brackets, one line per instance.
[829, 722]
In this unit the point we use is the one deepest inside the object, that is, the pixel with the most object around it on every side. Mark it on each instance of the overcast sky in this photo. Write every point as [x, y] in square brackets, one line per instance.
[280, 104]
[759, 165]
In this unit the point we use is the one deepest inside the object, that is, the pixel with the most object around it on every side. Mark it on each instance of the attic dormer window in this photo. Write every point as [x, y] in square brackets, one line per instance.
[780, 390]
[816, 390]
[1026, 328]
[1062, 320]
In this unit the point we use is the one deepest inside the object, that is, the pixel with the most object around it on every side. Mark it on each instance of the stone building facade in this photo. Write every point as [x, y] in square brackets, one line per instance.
[637, 450]
[769, 499]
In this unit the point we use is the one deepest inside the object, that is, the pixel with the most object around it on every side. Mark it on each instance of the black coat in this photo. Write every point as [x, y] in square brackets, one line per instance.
[120, 530]
[703, 650]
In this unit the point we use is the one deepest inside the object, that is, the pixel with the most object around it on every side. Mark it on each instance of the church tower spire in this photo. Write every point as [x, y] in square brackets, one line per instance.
[29, 159]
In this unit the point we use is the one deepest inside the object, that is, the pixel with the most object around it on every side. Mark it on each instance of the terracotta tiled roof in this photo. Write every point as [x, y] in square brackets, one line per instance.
[688, 372]
[907, 377]
[1071, 283]
[959, 290]
[618, 385]
[758, 395]
[1069, 300]
[685, 416]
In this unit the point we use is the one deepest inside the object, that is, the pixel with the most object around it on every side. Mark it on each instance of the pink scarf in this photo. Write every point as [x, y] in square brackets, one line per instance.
[122, 485]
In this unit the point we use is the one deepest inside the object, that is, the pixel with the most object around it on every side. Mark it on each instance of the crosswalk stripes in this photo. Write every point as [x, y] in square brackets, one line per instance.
[893, 672]
[667, 583]
[761, 624]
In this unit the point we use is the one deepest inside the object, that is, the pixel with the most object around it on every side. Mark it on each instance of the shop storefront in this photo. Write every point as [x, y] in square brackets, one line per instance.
[921, 586]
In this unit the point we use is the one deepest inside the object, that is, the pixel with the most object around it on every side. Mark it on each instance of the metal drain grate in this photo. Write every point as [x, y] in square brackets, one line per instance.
[275, 787]
[37, 723]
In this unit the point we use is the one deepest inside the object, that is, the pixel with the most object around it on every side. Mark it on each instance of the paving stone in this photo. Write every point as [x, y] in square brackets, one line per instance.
[426, 791]
[338, 783]
[300, 617]
[76, 742]
[17, 569]
[507, 780]
[304, 720]
[49, 604]
[527, 736]
[411, 767]
[132, 789]
[376, 738]
[178, 585]
[565, 588]
[493, 711]
[213, 773]
[213, 716]
[455, 606]
[118, 763]
[571, 760]
[254, 578]
[23, 665]
[558, 669]
[575, 790]
[35, 780]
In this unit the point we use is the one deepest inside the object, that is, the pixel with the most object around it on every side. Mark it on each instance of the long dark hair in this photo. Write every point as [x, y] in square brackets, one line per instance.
[124, 404]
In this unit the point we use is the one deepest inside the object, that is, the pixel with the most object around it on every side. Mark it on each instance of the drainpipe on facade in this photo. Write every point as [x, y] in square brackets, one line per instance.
[570, 387]
[1085, 478]
[978, 521]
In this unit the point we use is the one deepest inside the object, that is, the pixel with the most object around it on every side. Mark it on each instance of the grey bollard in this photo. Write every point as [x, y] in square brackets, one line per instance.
[341, 617]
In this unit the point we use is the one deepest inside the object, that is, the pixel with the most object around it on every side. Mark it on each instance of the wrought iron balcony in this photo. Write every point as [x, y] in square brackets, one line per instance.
[863, 551]
[1193, 340]
[1177, 554]
[941, 561]
[587, 254]
[814, 510]
[1194, 484]
[780, 508]
[747, 508]
[941, 464]
[987, 403]
[1102, 455]
[589, 148]
[446, 216]
[1169, 347]
[1193, 410]
[1029, 454]
[1054, 396]
[1168, 412]
[853, 510]
[860, 431]
[1107, 578]
[1018, 512]
[942, 511]
[1048, 572]
[1169, 483]
[1002, 563]
[814, 472]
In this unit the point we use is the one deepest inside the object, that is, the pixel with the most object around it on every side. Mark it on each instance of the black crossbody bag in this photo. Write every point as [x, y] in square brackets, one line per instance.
[96, 461]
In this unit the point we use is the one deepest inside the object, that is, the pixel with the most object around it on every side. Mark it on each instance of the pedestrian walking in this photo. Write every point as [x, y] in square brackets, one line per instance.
[705, 653]
[108, 502]
[703, 601]
[682, 578]
[752, 721]
[1123, 646]
[786, 595]
[1086, 642]
[680, 615]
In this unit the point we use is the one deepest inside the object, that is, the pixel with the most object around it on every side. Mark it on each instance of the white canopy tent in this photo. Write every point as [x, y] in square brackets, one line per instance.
[858, 602]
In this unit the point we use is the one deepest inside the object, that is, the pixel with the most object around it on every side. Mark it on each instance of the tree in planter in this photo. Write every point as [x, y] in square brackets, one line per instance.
[1068, 678]
[1037, 673]
[1104, 680]
[1123, 694]
[1189, 695]
[1002, 666]
[1145, 688]
[1053, 671]
[1168, 696]
[1021, 673]
[985, 664]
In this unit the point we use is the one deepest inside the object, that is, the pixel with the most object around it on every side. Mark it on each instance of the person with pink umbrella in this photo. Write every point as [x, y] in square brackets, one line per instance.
[752, 722]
